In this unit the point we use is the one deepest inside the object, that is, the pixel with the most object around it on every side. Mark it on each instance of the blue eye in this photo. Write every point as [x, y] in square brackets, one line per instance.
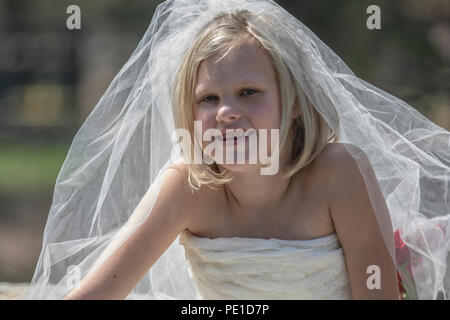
[247, 90]
[206, 99]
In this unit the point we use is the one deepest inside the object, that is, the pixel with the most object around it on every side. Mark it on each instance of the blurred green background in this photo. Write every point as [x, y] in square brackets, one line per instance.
[52, 77]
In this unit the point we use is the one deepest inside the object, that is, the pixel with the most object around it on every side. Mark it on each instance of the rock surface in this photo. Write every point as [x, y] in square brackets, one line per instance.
[13, 291]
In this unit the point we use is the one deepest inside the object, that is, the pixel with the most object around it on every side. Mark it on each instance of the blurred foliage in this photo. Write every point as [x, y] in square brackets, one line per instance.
[409, 56]
[30, 166]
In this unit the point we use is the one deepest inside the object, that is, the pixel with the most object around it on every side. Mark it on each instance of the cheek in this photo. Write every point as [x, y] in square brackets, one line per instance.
[201, 115]
[206, 117]
[269, 115]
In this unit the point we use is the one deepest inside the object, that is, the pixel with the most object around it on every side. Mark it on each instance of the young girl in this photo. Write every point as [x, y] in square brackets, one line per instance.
[317, 228]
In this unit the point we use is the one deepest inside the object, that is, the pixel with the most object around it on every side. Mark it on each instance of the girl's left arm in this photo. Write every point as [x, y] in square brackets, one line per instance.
[366, 253]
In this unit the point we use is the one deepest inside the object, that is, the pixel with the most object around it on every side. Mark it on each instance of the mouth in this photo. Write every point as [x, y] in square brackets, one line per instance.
[233, 140]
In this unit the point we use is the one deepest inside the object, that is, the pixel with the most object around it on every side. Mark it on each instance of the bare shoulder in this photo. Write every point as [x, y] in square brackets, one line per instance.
[349, 171]
[175, 193]
[338, 156]
[340, 167]
[180, 169]
[347, 163]
[189, 201]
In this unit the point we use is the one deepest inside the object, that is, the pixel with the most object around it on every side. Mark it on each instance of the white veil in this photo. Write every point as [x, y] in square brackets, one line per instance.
[121, 152]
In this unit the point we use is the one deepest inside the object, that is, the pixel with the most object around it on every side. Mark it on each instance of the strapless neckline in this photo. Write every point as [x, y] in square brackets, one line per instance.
[330, 236]
[259, 268]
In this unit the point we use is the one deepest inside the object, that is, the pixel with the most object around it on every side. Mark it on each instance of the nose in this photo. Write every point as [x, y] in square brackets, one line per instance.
[228, 114]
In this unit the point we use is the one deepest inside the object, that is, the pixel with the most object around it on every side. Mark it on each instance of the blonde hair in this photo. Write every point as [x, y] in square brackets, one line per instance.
[226, 30]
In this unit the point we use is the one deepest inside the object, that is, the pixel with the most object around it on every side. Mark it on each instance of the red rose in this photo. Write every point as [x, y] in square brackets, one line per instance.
[401, 250]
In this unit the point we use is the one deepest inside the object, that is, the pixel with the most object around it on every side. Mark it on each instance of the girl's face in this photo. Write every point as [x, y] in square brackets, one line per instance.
[239, 91]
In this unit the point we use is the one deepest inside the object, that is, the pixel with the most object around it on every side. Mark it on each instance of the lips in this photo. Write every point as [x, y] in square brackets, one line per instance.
[232, 133]
[234, 141]
[238, 140]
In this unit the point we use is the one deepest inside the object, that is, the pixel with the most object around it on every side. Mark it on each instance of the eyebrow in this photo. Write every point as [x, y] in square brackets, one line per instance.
[244, 83]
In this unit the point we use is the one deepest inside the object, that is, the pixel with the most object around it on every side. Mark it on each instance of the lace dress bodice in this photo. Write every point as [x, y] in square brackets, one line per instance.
[254, 268]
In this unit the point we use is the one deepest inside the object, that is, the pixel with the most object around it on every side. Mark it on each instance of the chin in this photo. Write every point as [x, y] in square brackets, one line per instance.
[239, 168]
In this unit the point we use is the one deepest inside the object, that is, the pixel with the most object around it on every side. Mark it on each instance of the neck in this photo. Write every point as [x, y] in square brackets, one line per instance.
[252, 193]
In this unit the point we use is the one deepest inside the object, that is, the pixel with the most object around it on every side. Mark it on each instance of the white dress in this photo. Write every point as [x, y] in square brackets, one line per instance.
[255, 268]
